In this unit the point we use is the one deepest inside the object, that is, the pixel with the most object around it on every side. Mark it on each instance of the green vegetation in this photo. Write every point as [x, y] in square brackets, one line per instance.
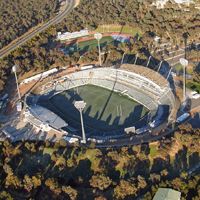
[49, 151]
[154, 151]
[119, 29]
[40, 54]
[54, 171]
[178, 67]
[91, 44]
[88, 45]
[193, 86]
[194, 83]
[33, 171]
[18, 16]
[105, 110]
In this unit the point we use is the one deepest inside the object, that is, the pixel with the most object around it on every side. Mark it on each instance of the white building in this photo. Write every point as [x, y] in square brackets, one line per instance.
[161, 3]
[68, 35]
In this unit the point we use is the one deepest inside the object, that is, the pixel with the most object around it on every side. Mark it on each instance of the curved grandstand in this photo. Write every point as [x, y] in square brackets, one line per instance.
[143, 88]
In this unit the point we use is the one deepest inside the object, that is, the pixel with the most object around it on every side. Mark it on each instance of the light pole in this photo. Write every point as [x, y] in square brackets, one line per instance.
[184, 63]
[135, 61]
[14, 69]
[98, 37]
[122, 61]
[169, 73]
[80, 105]
[148, 61]
[160, 65]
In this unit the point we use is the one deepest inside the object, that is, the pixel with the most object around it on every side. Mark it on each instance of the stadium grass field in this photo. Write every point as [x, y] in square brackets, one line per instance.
[119, 29]
[89, 45]
[105, 110]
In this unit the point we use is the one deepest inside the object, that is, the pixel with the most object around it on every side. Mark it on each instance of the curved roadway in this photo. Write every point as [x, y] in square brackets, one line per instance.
[70, 4]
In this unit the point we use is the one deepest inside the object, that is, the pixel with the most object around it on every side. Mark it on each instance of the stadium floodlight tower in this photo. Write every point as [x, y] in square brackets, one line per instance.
[80, 105]
[184, 63]
[14, 70]
[98, 37]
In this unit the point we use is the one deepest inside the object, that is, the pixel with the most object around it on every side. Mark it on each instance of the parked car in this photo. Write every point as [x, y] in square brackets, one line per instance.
[182, 118]
[70, 139]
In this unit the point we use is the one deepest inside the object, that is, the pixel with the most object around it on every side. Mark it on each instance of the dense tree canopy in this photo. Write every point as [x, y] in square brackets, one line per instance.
[18, 16]
[40, 53]
[57, 171]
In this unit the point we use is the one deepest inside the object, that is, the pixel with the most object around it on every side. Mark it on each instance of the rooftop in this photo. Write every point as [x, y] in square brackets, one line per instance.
[167, 194]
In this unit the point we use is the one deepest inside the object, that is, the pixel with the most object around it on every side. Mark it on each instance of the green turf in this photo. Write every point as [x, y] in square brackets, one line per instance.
[119, 29]
[178, 67]
[91, 44]
[85, 46]
[193, 86]
[105, 109]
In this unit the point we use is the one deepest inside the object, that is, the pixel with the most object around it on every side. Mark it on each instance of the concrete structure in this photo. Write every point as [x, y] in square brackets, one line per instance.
[167, 194]
[39, 76]
[142, 84]
[161, 3]
[69, 36]
[43, 118]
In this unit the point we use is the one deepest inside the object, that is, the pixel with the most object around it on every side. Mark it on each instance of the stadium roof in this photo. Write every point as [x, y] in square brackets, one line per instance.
[167, 194]
[48, 117]
[146, 72]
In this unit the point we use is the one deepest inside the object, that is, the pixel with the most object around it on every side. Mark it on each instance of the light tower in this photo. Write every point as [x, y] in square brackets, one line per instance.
[184, 63]
[98, 37]
[14, 69]
[80, 105]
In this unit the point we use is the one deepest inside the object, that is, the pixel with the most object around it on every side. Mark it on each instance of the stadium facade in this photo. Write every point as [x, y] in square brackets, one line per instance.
[141, 84]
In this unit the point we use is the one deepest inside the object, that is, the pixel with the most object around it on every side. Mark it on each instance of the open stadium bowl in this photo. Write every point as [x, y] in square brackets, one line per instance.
[131, 100]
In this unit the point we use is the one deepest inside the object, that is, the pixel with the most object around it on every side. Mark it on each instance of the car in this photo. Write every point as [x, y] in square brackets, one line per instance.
[7, 134]
[182, 118]
[70, 139]
[196, 96]
[142, 130]
[193, 92]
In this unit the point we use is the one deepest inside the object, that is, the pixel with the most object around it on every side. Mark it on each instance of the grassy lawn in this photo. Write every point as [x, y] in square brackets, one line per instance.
[193, 86]
[153, 150]
[178, 67]
[119, 29]
[105, 110]
[94, 155]
[88, 45]
[91, 44]
[48, 151]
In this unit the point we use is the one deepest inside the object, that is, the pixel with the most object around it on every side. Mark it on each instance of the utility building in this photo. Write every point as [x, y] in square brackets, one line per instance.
[167, 194]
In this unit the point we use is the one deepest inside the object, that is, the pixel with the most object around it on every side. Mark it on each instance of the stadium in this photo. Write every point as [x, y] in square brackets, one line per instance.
[120, 102]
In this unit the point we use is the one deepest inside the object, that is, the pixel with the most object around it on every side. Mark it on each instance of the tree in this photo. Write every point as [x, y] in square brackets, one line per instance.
[100, 181]
[5, 196]
[13, 181]
[70, 191]
[141, 182]
[124, 189]
[52, 184]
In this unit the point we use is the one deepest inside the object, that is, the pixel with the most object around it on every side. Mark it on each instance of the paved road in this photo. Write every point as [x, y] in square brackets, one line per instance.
[70, 4]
